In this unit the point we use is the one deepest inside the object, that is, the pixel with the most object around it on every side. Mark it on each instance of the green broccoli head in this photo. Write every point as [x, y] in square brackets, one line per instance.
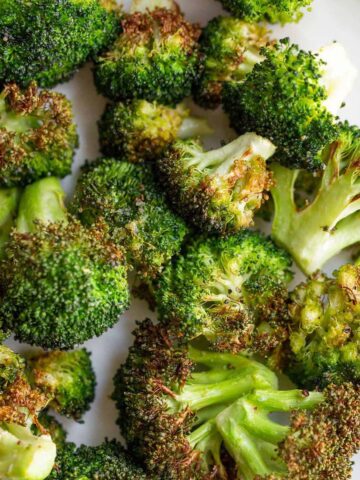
[232, 290]
[47, 41]
[229, 48]
[67, 378]
[154, 58]
[291, 98]
[108, 461]
[190, 413]
[37, 135]
[138, 130]
[126, 197]
[330, 219]
[220, 190]
[324, 344]
[273, 11]
[60, 283]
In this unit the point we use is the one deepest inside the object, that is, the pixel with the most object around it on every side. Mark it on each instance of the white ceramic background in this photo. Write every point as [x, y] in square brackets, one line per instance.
[329, 20]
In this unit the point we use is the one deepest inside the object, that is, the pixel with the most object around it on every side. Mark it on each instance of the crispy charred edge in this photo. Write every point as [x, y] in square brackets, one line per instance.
[55, 112]
[156, 361]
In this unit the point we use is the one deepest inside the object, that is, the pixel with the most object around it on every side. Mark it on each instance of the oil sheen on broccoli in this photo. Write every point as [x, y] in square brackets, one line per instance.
[139, 131]
[60, 284]
[47, 40]
[220, 190]
[292, 98]
[229, 48]
[155, 57]
[329, 222]
[231, 290]
[37, 135]
[126, 197]
[191, 413]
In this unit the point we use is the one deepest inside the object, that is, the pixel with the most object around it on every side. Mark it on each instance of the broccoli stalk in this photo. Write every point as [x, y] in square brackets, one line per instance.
[218, 190]
[331, 221]
[9, 199]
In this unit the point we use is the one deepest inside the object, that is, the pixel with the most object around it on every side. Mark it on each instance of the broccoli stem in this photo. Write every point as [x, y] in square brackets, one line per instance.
[9, 199]
[193, 127]
[148, 5]
[24, 456]
[43, 201]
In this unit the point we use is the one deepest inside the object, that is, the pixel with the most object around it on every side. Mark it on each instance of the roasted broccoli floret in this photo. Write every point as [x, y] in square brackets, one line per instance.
[60, 284]
[67, 378]
[220, 190]
[37, 135]
[291, 98]
[11, 365]
[229, 50]
[138, 130]
[274, 11]
[331, 221]
[126, 197]
[190, 413]
[155, 57]
[9, 199]
[108, 461]
[47, 40]
[231, 290]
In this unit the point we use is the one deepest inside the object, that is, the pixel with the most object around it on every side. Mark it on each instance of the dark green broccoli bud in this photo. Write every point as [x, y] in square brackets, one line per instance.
[126, 197]
[218, 191]
[54, 428]
[155, 57]
[291, 98]
[60, 283]
[229, 48]
[9, 199]
[182, 408]
[47, 40]
[37, 135]
[138, 130]
[232, 290]
[273, 11]
[324, 344]
[11, 365]
[108, 461]
[67, 378]
[330, 222]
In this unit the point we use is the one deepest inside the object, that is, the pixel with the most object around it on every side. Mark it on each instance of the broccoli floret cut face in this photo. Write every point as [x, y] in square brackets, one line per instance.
[139, 131]
[37, 135]
[155, 57]
[126, 197]
[232, 290]
[290, 98]
[230, 48]
[273, 11]
[220, 190]
[47, 41]
[330, 221]
[61, 284]
[108, 461]
[192, 413]
[67, 378]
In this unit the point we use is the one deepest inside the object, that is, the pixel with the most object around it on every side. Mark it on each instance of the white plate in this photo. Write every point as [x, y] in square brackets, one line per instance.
[329, 20]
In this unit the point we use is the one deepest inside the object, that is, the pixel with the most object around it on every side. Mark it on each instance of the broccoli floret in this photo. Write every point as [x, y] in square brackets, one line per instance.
[232, 290]
[273, 11]
[67, 378]
[218, 191]
[37, 135]
[330, 222]
[138, 130]
[11, 365]
[229, 50]
[190, 413]
[60, 283]
[9, 199]
[126, 197]
[291, 98]
[155, 57]
[324, 343]
[47, 41]
[108, 461]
